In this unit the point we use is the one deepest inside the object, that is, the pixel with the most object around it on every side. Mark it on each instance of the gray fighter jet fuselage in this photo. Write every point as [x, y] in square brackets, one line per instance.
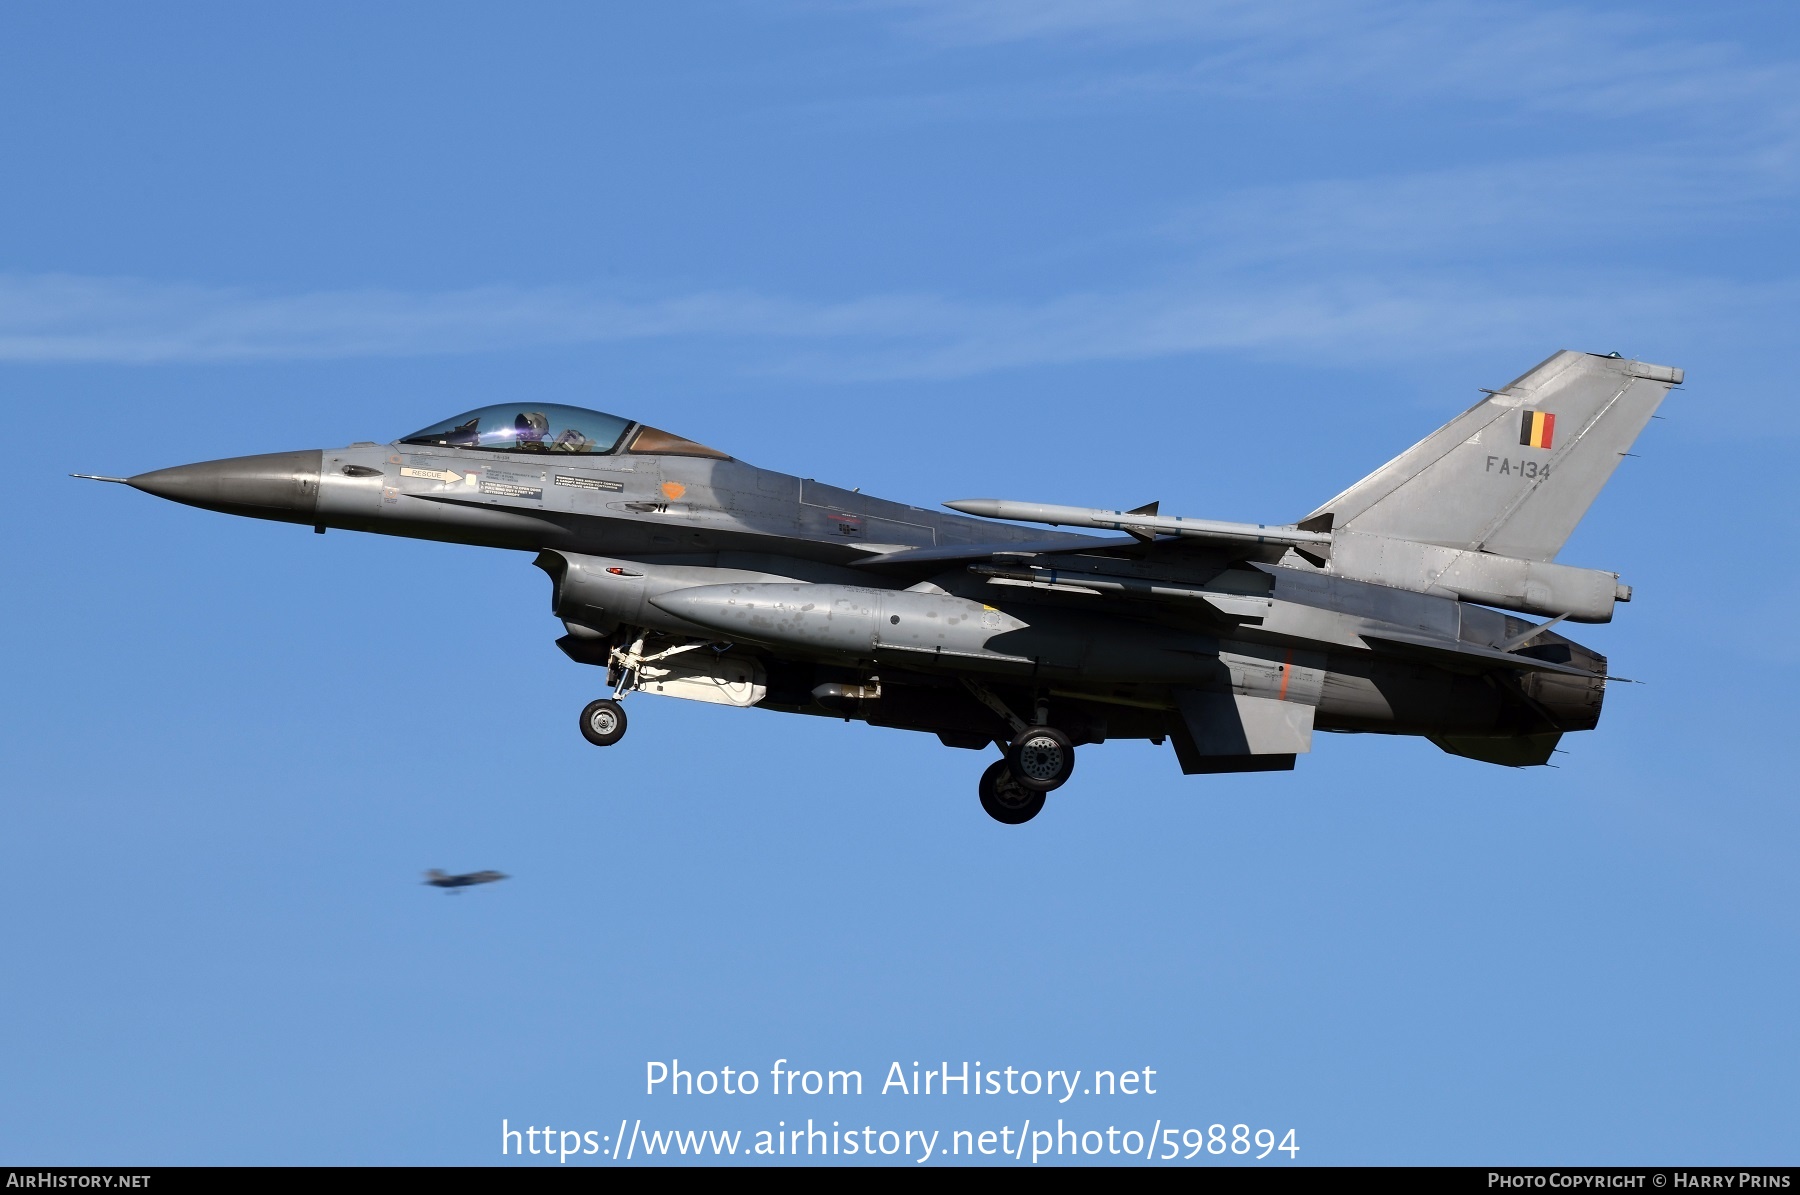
[688, 573]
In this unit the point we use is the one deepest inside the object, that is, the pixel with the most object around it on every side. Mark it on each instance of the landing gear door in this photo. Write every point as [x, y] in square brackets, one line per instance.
[701, 676]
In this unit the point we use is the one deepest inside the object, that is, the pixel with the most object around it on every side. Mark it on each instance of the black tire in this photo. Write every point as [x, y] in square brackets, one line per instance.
[603, 722]
[1005, 799]
[1042, 758]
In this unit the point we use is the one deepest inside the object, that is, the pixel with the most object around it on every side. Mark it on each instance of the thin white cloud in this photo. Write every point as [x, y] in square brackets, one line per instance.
[69, 318]
[1352, 317]
[1552, 251]
[1520, 56]
[1358, 319]
[1530, 207]
[991, 22]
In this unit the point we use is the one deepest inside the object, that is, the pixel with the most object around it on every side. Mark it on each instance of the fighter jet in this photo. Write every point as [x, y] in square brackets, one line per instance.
[1392, 608]
[438, 879]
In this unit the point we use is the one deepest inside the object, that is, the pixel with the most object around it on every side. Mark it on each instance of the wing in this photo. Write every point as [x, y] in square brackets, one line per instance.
[1211, 581]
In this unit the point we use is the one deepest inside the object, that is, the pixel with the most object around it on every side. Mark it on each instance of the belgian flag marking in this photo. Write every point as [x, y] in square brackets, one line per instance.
[1537, 429]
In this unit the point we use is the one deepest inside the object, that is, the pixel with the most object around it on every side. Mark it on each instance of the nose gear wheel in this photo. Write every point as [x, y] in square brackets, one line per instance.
[603, 722]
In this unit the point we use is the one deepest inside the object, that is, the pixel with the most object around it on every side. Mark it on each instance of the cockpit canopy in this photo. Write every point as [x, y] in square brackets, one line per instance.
[543, 427]
[553, 428]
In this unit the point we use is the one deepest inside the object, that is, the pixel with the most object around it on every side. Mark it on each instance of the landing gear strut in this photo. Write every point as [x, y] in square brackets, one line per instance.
[1005, 799]
[603, 719]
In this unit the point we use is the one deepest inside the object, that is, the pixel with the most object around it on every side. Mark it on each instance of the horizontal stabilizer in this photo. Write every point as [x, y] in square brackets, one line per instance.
[1472, 656]
[1513, 750]
[1213, 765]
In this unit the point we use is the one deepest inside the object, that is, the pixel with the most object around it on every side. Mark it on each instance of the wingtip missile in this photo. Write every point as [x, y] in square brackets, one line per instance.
[985, 508]
[1144, 521]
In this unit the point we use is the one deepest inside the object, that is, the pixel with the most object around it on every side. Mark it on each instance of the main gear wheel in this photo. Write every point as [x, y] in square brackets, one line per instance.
[1041, 758]
[1005, 799]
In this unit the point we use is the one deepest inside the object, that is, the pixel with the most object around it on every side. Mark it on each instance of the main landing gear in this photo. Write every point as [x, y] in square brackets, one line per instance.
[1041, 757]
[1039, 760]
[1005, 799]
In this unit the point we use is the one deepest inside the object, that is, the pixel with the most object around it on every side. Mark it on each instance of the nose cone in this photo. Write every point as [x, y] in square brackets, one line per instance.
[276, 485]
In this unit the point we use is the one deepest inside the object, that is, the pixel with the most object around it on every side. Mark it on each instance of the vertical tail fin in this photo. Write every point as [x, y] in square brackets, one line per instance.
[1514, 473]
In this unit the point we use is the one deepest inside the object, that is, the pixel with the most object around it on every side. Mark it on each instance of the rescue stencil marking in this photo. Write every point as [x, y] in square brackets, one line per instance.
[449, 475]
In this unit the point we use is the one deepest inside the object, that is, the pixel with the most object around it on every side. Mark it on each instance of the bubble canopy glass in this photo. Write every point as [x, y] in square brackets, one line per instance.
[527, 427]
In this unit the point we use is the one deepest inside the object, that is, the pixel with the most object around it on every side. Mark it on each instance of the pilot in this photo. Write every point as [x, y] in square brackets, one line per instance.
[529, 430]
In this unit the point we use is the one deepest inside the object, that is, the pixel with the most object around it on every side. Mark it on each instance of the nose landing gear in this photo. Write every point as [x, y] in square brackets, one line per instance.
[603, 719]
[603, 722]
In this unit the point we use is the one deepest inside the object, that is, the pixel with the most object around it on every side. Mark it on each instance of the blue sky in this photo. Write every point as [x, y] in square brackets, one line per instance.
[1231, 256]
